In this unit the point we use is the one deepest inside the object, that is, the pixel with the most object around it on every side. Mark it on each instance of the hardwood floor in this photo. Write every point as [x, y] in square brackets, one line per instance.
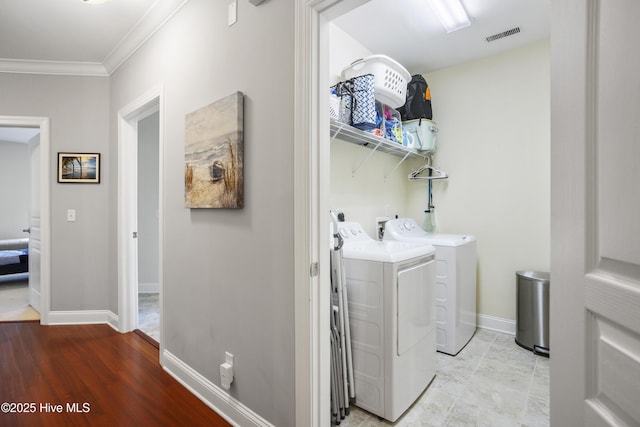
[108, 378]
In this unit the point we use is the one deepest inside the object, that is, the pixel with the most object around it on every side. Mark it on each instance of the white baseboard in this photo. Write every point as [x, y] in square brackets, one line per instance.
[148, 288]
[229, 408]
[34, 299]
[497, 324]
[112, 320]
[83, 317]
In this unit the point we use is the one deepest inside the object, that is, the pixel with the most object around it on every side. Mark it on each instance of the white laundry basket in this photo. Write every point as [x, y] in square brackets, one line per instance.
[390, 81]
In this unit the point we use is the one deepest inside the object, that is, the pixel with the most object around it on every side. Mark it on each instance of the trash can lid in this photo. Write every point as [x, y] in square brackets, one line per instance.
[534, 275]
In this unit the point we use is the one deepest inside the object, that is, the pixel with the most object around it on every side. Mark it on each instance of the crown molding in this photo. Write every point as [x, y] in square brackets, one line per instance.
[147, 26]
[26, 66]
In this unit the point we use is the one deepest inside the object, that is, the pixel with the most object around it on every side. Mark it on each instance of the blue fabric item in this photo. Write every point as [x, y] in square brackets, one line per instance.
[363, 113]
[393, 130]
[10, 257]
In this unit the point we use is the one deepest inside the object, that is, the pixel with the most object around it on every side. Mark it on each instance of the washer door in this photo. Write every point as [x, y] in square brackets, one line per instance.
[416, 305]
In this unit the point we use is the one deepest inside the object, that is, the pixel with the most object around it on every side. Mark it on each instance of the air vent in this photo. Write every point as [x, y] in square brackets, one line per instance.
[503, 34]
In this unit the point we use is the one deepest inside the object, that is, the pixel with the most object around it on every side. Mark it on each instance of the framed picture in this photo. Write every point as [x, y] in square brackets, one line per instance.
[79, 168]
[214, 155]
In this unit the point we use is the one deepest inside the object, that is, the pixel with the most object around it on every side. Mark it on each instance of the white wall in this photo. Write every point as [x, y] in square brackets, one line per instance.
[494, 141]
[14, 190]
[148, 203]
[227, 274]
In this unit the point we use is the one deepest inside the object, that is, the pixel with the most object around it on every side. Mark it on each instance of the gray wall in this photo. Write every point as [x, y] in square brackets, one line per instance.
[14, 190]
[79, 111]
[148, 200]
[228, 274]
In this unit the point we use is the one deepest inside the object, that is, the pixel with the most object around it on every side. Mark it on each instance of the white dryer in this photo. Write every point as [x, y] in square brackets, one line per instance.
[390, 290]
[455, 280]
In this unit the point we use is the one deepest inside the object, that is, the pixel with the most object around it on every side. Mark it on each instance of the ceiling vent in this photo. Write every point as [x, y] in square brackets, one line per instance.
[503, 34]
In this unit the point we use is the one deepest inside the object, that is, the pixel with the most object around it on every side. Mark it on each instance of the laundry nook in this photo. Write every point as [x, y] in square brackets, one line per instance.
[428, 217]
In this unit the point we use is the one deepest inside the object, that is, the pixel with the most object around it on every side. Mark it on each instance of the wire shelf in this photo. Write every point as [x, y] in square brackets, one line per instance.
[359, 137]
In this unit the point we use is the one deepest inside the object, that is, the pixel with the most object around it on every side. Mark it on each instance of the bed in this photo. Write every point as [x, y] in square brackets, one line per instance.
[14, 256]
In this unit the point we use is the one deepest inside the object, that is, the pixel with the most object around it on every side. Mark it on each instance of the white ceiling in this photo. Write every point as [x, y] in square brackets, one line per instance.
[408, 31]
[74, 37]
[19, 135]
[66, 30]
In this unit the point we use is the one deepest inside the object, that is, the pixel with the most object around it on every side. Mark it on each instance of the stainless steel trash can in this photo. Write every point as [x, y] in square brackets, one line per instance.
[532, 311]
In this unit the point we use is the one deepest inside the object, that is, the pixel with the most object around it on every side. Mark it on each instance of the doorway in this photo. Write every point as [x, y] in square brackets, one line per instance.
[18, 145]
[38, 217]
[140, 213]
[148, 226]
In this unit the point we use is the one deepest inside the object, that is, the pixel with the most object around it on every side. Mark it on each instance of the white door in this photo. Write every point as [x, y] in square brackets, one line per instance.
[595, 228]
[34, 222]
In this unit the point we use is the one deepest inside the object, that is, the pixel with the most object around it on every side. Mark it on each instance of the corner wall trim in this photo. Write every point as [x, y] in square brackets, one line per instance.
[83, 317]
[498, 324]
[229, 408]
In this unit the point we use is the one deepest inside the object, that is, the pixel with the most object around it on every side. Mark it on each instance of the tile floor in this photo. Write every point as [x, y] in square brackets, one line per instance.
[14, 299]
[491, 382]
[14, 292]
[149, 315]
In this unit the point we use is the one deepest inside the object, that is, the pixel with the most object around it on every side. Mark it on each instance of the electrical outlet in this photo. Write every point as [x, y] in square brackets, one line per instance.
[226, 371]
[71, 215]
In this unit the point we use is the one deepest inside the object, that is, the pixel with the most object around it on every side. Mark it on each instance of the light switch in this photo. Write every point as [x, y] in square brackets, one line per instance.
[71, 215]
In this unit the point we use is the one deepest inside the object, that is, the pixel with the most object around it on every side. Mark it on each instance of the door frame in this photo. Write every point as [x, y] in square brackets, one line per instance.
[140, 108]
[45, 209]
[311, 207]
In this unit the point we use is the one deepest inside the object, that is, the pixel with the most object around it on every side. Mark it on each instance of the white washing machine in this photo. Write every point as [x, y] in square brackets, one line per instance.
[390, 290]
[455, 281]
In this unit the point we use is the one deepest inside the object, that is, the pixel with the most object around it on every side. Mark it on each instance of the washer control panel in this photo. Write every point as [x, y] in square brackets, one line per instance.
[404, 226]
[352, 231]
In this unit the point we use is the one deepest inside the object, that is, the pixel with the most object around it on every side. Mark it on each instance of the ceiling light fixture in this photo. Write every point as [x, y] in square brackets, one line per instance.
[94, 1]
[451, 14]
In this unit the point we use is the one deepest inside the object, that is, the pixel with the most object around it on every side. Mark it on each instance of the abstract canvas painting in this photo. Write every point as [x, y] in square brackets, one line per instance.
[214, 155]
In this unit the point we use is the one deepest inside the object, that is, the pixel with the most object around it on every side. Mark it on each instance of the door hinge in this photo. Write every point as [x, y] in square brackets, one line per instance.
[313, 269]
[135, 234]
